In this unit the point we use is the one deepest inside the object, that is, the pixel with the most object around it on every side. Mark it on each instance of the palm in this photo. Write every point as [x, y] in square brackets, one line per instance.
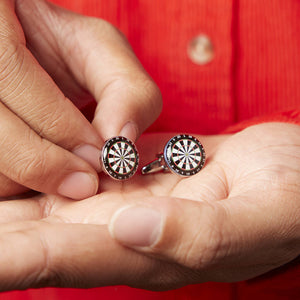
[111, 193]
[114, 194]
[238, 171]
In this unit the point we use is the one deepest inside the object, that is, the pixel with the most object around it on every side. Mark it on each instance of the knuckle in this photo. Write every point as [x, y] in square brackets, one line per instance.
[200, 255]
[107, 29]
[46, 276]
[32, 167]
[207, 247]
[91, 25]
[32, 271]
[146, 94]
[213, 249]
[28, 170]
[53, 270]
[50, 125]
[153, 95]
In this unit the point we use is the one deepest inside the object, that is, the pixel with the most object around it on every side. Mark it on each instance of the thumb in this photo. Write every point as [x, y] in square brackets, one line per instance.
[230, 240]
[184, 231]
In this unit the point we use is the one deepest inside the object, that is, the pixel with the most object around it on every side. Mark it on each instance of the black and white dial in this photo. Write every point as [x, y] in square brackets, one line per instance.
[184, 155]
[119, 158]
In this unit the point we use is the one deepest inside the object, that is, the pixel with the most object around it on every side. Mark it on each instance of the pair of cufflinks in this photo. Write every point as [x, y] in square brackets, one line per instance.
[183, 155]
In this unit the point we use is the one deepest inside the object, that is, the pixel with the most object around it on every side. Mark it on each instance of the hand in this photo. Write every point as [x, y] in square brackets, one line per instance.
[236, 219]
[46, 144]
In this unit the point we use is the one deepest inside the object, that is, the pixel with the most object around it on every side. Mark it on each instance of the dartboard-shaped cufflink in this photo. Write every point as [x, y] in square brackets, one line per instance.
[183, 155]
[119, 158]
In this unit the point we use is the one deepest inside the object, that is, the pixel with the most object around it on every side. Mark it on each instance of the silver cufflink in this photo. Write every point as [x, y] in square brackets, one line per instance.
[119, 158]
[183, 155]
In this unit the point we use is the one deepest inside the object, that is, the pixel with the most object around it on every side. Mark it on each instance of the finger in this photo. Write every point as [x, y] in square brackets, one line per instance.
[19, 210]
[209, 238]
[9, 188]
[28, 91]
[37, 254]
[30, 206]
[128, 100]
[43, 257]
[34, 162]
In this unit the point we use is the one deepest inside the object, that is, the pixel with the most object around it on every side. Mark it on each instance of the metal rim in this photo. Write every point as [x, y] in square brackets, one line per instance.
[184, 155]
[119, 158]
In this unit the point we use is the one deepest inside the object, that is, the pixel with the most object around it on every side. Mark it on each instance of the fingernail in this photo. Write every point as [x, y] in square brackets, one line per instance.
[90, 154]
[136, 226]
[130, 131]
[78, 185]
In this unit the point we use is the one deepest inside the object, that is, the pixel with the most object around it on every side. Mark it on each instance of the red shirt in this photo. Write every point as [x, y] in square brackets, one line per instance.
[253, 77]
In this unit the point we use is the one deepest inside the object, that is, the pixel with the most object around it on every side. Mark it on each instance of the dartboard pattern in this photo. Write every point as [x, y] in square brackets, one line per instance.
[184, 155]
[120, 158]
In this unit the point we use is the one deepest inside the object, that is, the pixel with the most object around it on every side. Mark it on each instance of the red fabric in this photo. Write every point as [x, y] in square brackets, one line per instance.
[254, 77]
[255, 72]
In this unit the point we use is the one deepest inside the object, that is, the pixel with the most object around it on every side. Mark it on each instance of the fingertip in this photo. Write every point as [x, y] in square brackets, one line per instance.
[90, 154]
[129, 114]
[130, 131]
[136, 226]
[78, 185]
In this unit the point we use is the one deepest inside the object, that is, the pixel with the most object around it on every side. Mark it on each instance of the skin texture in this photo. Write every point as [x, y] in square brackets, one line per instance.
[51, 61]
[236, 219]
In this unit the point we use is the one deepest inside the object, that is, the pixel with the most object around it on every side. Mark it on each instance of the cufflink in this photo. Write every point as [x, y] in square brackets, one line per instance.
[119, 158]
[183, 155]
